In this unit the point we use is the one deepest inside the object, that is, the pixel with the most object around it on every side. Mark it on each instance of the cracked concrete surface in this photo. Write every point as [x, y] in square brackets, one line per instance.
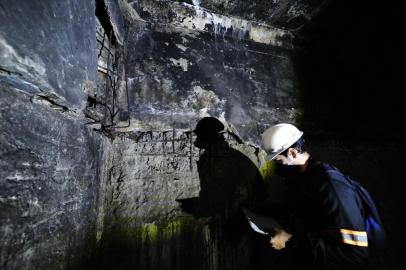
[92, 178]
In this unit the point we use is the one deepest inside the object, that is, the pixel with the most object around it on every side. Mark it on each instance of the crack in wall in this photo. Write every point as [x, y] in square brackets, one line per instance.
[4, 71]
[50, 100]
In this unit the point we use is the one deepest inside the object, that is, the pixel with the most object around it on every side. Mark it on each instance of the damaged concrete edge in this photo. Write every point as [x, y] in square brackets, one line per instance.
[26, 74]
[128, 11]
[190, 17]
[113, 23]
[239, 28]
[139, 128]
[23, 72]
[49, 100]
[106, 165]
[57, 104]
[316, 12]
[230, 134]
[37, 95]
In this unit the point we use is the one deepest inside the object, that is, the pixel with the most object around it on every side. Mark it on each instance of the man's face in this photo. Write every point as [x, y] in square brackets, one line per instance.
[283, 160]
[284, 166]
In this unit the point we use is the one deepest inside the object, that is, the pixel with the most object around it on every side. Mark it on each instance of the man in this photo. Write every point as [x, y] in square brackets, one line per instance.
[327, 216]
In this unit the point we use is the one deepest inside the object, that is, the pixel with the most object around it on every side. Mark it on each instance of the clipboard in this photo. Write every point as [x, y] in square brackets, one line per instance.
[261, 224]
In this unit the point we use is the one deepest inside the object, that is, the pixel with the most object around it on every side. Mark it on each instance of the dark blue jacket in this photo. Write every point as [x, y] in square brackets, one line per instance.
[328, 217]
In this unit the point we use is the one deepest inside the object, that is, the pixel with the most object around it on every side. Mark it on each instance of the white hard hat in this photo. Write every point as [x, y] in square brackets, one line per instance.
[280, 137]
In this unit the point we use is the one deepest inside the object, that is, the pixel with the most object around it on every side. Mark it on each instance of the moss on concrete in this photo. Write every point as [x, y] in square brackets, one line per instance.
[152, 245]
[267, 170]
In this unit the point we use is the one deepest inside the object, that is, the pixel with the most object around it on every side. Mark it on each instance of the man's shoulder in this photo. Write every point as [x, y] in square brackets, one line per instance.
[317, 170]
[327, 175]
[323, 169]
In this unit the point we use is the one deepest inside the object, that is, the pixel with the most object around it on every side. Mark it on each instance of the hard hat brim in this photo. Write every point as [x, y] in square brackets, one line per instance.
[286, 146]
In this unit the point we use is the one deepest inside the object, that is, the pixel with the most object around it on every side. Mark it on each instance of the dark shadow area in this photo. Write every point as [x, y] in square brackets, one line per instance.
[229, 181]
[102, 13]
[172, 246]
[350, 70]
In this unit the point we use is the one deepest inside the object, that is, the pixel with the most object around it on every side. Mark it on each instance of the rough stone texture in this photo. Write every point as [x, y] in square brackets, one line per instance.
[175, 77]
[49, 157]
[151, 198]
[161, 192]
[172, 203]
[284, 14]
[149, 171]
[116, 18]
[50, 45]
[192, 17]
[48, 184]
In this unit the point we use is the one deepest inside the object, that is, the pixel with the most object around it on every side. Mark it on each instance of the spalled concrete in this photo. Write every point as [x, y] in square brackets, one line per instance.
[101, 165]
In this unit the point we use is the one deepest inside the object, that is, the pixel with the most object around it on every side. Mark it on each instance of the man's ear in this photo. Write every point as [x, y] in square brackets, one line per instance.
[292, 152]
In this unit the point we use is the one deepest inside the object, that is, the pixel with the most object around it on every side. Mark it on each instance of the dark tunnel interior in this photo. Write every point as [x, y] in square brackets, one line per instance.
[350, 58]
[130, 131]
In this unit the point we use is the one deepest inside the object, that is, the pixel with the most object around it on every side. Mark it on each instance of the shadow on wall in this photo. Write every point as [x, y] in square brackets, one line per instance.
[214, 235]
[228, 180]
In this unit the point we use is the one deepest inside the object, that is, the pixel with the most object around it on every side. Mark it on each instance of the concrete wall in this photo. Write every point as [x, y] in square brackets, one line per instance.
[145, 193]
[178, 74]
[167, 202]
[286, 14]
[46, 44]
[171, 204]
[49, 157]
[49, 181]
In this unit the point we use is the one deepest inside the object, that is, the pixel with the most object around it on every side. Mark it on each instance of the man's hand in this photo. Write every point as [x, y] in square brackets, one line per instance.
[278, 241]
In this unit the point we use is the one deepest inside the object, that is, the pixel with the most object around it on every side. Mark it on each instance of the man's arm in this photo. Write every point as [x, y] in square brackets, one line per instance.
[344, 243]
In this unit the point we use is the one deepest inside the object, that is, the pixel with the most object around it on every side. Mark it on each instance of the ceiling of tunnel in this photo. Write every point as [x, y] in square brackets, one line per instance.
[285, 14]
